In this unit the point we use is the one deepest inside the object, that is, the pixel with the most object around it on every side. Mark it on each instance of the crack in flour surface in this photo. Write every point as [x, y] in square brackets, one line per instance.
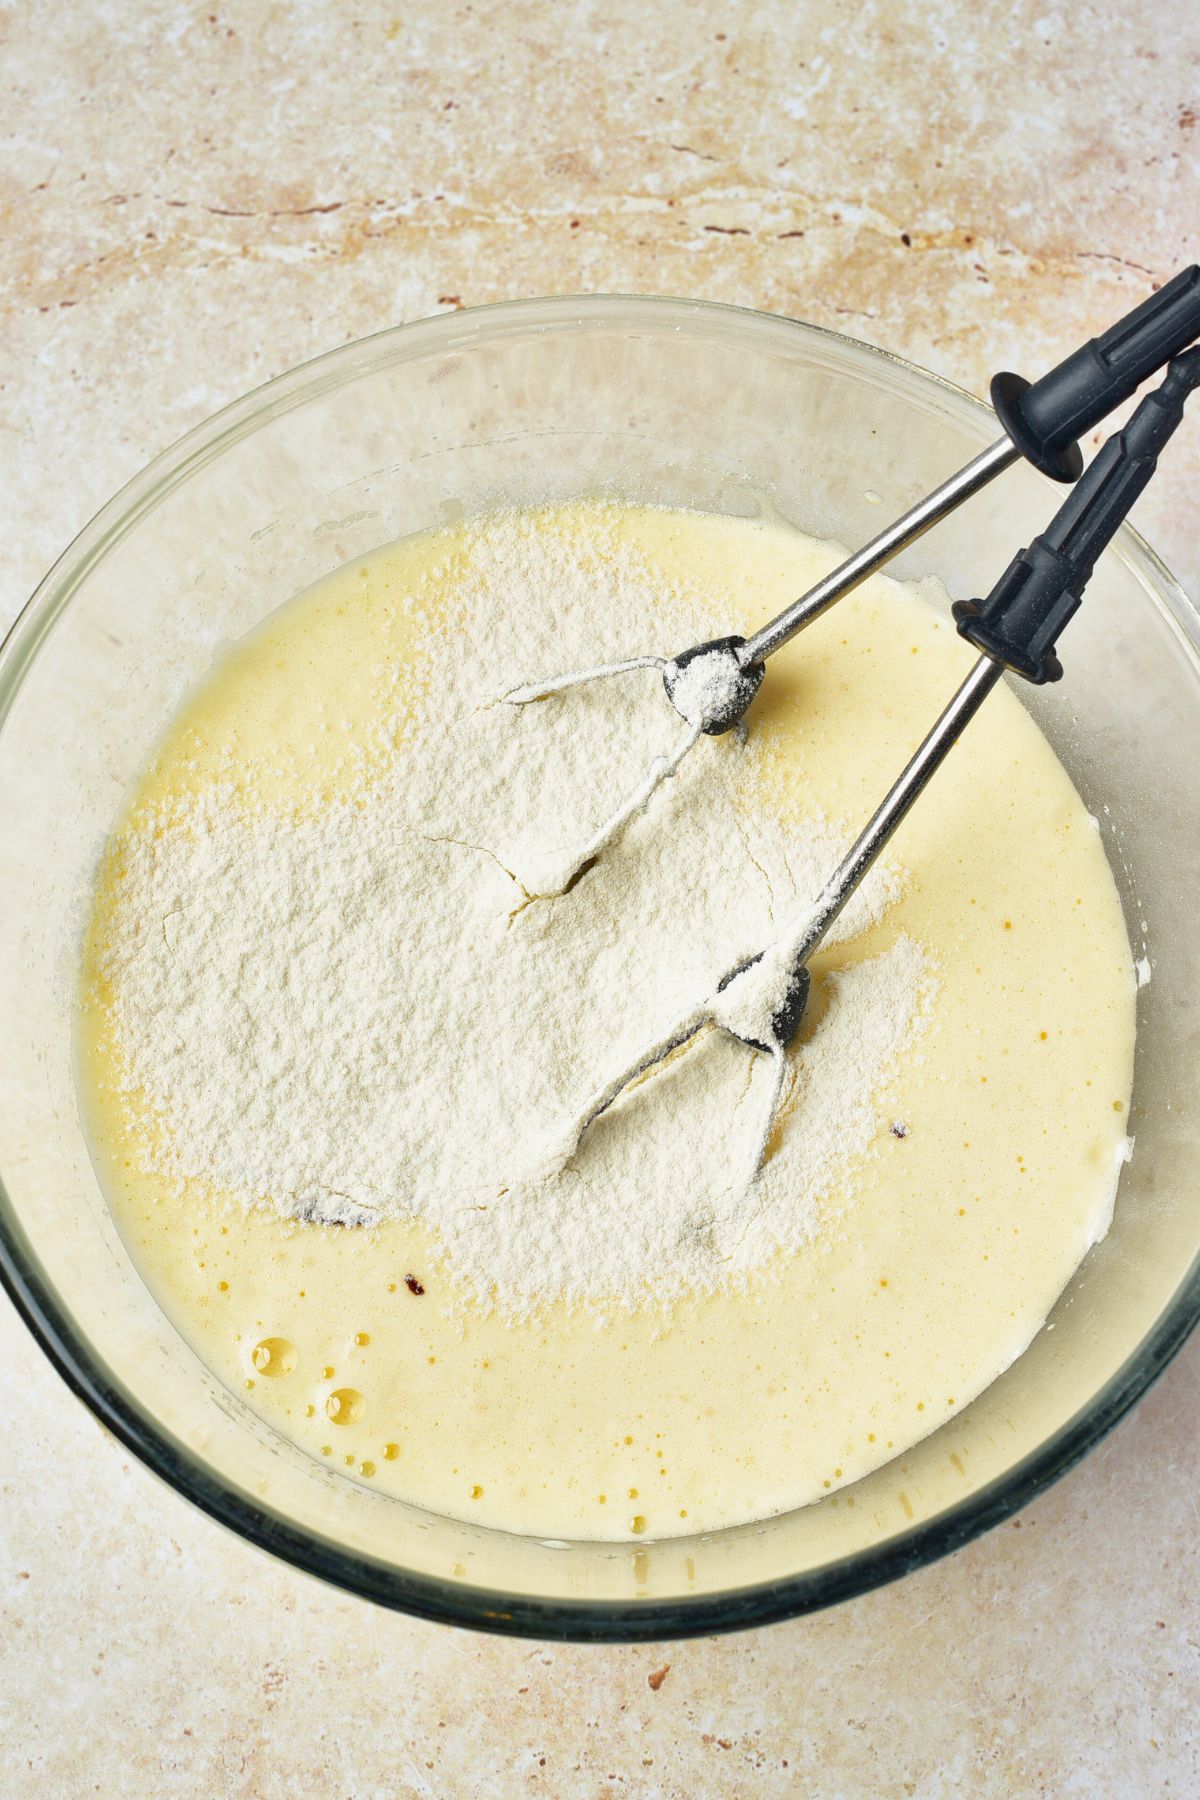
[354, 1011]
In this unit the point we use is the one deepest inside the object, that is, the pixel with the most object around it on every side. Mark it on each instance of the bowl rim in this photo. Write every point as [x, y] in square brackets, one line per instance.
[98, 1386]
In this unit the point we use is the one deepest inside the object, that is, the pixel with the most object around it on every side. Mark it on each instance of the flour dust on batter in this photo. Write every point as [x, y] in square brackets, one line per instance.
[331, 1030]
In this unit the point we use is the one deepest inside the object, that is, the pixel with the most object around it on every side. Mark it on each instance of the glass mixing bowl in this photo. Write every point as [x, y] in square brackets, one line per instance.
[669, 402]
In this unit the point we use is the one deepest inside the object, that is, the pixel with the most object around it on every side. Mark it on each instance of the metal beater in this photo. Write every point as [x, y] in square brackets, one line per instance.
[761, 1001]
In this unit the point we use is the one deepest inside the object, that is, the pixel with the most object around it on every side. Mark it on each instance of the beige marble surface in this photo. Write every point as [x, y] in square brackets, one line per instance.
[194, 199]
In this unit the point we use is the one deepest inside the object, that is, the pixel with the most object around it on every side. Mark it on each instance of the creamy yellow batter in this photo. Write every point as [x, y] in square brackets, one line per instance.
[940, 1259]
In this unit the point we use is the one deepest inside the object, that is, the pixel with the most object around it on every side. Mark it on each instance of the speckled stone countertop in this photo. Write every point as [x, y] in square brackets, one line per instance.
[194, 200]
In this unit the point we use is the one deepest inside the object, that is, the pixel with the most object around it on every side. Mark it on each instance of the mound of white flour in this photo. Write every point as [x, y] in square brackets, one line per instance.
[357, 1014]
